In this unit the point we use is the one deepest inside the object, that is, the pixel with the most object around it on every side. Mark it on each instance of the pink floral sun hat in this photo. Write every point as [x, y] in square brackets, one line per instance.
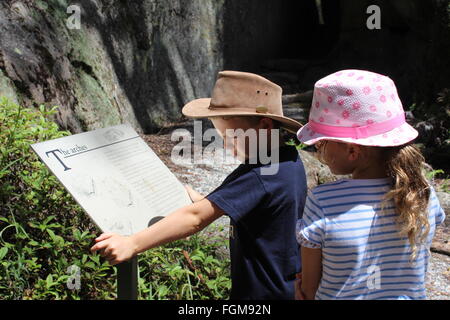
[357, 106]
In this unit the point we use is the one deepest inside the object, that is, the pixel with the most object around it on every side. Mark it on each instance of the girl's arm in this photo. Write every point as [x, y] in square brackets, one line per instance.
[179, 224]
[311, 271]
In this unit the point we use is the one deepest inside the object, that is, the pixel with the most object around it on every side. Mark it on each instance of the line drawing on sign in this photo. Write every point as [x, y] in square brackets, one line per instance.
[93, 187]
[83, 184]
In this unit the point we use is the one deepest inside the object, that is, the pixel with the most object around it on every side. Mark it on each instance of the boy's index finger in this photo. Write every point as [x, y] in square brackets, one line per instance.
[104, 236]
[99, 246]
[94, 248]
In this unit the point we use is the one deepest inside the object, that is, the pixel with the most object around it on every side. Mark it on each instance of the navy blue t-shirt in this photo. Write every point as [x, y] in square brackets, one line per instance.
[263, 211]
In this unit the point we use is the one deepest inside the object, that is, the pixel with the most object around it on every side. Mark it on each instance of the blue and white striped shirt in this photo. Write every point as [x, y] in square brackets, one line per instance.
[363, 255]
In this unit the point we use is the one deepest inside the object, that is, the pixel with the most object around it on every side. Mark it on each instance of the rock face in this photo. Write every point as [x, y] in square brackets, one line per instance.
[139, 61]
[134, 61]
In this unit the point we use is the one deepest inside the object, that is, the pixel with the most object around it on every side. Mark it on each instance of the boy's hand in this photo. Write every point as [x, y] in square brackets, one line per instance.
[194, 195]
[115, 248]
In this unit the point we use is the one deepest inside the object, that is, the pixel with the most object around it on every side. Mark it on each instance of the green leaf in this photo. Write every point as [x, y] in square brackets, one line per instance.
[3, 252]
[33, 243]
[4, 219]
[49, 281]
[52, 235]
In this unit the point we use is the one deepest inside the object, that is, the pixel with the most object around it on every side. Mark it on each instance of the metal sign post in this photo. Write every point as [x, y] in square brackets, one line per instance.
[127, 280]
[127, 274]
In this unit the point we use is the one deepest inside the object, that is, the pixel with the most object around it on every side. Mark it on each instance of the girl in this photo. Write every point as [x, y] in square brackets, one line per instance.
[367, 237]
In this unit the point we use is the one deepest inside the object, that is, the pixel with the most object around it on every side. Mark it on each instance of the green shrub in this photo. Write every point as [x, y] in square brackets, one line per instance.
[43, 232]
[192, 269]
[294, 142]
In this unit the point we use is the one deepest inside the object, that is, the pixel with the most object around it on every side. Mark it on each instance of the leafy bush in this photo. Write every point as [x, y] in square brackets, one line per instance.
[432, 121]
[192, 269]
[294, 142]
[44, 233]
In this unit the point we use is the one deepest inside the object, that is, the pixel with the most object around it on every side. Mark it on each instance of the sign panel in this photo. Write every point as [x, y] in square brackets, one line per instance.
[115, 177]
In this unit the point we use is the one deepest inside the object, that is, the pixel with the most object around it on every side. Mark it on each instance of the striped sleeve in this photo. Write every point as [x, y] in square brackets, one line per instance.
[311, 227]
[439, 214]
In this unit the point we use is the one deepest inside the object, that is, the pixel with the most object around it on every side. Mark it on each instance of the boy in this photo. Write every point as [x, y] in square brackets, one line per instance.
[263, 207]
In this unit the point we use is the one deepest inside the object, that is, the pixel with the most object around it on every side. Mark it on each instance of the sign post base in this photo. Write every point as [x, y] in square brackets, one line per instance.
[127, 280]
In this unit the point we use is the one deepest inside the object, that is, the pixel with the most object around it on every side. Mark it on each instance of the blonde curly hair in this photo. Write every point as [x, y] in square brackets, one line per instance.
[410, 192]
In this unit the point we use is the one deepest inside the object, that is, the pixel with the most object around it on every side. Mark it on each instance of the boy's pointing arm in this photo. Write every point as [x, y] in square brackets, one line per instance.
[179, 224]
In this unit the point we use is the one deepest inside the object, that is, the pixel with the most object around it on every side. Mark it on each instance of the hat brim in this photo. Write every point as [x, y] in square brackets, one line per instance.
[199, 108]
[396, 137]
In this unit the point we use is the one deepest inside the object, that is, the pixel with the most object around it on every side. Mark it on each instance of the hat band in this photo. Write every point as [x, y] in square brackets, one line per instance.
[258, 109]
[358, 132]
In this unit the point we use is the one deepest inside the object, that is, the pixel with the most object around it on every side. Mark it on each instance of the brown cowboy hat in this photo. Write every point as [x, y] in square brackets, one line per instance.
[242, 94]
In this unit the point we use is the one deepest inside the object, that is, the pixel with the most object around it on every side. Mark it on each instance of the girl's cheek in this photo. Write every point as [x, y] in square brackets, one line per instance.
[335, 170]
[341, 168]
[332, 166]
[333, 163]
